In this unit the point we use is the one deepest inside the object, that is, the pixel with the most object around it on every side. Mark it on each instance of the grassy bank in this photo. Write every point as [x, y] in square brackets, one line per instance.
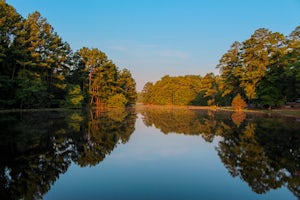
[294, 112]
[290, 112]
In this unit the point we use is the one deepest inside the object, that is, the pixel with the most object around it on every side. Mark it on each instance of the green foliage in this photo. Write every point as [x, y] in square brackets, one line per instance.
[104, 79]
[264, 68]
[7, 93]
[118, 100]
[230, 66]
[127, 86]
[74, 97]
[30, 92]
[182, 90]
[200, 99]
[257, 55]
[169, 91]
[146, 94]
[39, 69]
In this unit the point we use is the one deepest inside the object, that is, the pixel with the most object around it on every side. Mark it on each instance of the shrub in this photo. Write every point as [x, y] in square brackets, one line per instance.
[238, 103]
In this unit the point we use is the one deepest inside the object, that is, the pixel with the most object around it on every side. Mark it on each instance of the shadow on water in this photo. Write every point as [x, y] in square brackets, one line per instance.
[263, 151]
[36, 147]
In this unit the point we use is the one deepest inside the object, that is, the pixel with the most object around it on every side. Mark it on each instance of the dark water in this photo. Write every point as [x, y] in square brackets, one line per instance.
[148, 154]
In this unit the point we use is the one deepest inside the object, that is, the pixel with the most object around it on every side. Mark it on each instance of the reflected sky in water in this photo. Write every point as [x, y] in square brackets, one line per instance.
[155, 165]
[149, 153]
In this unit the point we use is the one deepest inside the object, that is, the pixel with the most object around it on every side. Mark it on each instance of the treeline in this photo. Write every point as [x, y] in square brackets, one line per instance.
[38, 69]
[264, 70]
[183, 90]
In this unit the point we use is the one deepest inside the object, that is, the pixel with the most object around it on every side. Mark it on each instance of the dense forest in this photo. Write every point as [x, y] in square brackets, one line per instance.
[39, 70]
[264, 70]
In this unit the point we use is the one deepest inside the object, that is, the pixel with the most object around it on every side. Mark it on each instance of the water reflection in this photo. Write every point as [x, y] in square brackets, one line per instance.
[183, 121]
[263, 151]
[36, 147]
[238, 118]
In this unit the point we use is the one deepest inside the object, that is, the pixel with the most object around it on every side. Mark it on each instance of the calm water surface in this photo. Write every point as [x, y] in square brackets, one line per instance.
[150, 153]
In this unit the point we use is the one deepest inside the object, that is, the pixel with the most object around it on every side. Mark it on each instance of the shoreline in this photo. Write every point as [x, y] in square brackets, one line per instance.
[288, 112]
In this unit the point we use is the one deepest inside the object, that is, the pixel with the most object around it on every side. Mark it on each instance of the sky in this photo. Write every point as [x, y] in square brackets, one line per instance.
[154, 38]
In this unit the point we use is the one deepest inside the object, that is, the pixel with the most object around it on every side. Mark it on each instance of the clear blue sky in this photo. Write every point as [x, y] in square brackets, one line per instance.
[153, 38]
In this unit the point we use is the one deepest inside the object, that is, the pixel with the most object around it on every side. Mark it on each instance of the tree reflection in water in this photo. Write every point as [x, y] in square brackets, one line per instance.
[263, 151]
[36, 147]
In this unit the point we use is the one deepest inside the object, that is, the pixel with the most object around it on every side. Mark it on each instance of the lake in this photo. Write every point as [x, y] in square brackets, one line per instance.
[148, 153]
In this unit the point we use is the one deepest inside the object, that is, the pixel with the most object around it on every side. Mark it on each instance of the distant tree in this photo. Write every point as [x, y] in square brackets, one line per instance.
[210, 88]
[238, 103]
[183, 90]
[180, 90]
[147, 93]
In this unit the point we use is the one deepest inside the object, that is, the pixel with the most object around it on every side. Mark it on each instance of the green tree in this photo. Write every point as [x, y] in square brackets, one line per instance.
[291, 62]
[34, 46]
[258, 68]
[127, 86]
[10, 24]
[94, 61]
[31, 92]
[47, 55]
[74, 97]
[31, 49]
[258, 52]
[210, 87]
[179, 90]
[147, 92]
[282, 79]
[104, 78]
[79, 76]
[230, 66]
